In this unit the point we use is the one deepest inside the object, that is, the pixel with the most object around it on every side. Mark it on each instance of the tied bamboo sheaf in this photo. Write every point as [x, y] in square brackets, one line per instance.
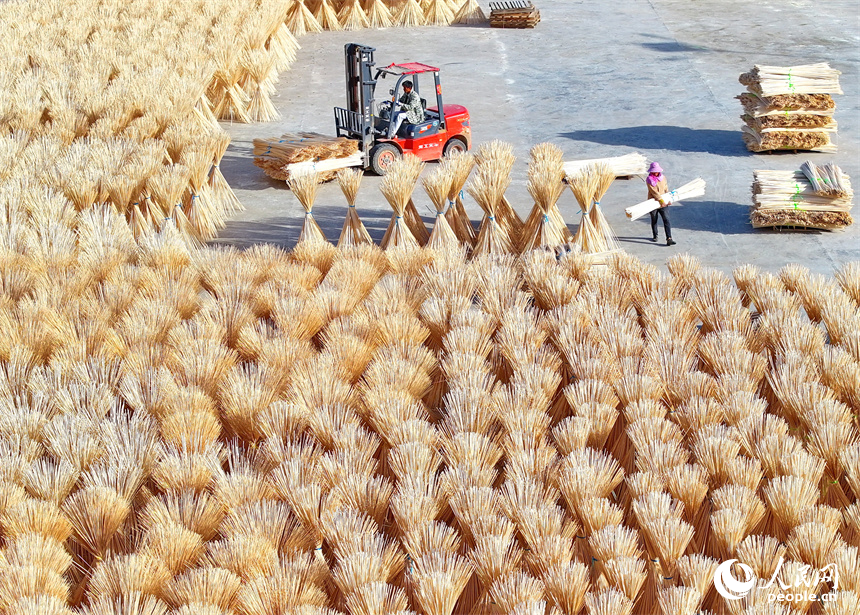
[408, 431]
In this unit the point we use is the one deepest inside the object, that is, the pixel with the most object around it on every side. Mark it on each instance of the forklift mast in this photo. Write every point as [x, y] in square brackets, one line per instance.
[356, 120]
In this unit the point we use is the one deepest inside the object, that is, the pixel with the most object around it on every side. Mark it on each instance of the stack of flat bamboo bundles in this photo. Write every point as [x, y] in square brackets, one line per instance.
[513, 14]
[622, 166]
[324, 154]
[816, 197]
[790, 108]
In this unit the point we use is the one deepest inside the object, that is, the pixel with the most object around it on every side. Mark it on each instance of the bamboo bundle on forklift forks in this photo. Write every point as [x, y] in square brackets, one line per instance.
[789, 199]
[321, 152]
[789, 107]
[690, 190]
[513, 14]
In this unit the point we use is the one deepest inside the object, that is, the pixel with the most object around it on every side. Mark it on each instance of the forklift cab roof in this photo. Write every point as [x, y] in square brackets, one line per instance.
[409, 68]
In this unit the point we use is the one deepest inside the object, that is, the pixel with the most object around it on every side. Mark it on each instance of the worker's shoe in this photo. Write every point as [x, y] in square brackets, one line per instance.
[670, 242]
[654, 239]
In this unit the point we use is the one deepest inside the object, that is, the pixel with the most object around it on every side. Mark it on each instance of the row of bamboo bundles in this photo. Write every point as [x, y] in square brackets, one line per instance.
[319, 15]
[790, 107]
[815, 197]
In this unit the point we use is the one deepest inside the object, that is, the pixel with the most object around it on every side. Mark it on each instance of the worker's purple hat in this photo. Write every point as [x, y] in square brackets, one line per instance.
[655, 168]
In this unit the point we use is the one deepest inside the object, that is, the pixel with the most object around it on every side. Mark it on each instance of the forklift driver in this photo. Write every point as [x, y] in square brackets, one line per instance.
[410, 109]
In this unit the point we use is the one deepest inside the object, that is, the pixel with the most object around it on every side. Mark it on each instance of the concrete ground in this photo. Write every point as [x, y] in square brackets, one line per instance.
[598, 79]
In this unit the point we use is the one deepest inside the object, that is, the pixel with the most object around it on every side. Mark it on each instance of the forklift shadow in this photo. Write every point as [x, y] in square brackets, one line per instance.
[284, 231]
[674, 138]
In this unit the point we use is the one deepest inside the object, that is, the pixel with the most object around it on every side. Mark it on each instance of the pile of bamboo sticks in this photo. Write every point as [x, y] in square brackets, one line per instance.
[813, 197]
[406, 431]
[790, 108]
[295, 152]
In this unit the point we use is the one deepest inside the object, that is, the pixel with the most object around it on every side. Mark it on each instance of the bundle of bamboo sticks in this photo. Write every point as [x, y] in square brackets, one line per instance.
[690, 190]
[790, 107]
[292, 152]
[790, 199]
[191, 429]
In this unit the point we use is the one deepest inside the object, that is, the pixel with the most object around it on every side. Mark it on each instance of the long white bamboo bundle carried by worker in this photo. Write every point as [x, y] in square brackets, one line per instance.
[817, 78]
[690, 190]
[621, 166]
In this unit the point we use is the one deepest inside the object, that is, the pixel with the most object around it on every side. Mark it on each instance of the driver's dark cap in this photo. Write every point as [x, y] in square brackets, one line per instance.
[407, 84]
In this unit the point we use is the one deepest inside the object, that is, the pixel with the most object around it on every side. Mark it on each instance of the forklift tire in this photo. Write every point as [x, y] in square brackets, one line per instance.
[453, 145]
[383, 155]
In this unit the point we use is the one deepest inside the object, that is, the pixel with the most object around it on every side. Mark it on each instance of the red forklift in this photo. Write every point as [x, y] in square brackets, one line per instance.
[441, 132]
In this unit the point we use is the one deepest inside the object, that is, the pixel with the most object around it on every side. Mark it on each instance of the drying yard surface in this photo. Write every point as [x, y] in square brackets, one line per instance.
[207, 430]
[660, 79]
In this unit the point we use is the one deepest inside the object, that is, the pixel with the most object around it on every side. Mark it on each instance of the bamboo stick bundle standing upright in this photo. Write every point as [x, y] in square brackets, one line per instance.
[300, 20]
[487, 187]
[397, 188]
[354, 231]
[438, 13]
[222, 194]
[260, 65]
[352, 16]
[436, 186]
[470, 13]
[304, 186]
[378, 14]
[460, 166]
[326, 16]
[583, 186]
[409, 15]
[604, 178]
[501, 156]
[411, 169]
[545, 227]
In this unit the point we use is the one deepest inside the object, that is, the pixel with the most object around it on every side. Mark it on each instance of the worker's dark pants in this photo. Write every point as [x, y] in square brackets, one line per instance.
[662, 211]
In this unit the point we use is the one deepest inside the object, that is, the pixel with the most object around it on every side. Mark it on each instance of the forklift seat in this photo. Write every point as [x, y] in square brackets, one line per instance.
[417, 131]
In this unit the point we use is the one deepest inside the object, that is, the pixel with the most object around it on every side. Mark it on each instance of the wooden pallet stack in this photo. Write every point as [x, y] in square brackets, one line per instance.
[789, 107]
[513, 14]
[814, 197]
[279, 157]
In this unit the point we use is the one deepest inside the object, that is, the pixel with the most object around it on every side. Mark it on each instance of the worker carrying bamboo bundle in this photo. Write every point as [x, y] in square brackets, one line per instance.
[657, 187]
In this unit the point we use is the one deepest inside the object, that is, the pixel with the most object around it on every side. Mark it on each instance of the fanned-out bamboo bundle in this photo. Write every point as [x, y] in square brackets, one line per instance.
[545, 226]
[690, 190]
[436, 186]
[621, 166]
[397, 186]
[353, 232]
[352, 16]
[276, 431]
[789, 107]
[498, 157]
[378, 14]
[604, 178]
[304, 186]
[409, 15]
[470, 13]
[789, 199]
[488, 187]
[438, 13]
[459, 166]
